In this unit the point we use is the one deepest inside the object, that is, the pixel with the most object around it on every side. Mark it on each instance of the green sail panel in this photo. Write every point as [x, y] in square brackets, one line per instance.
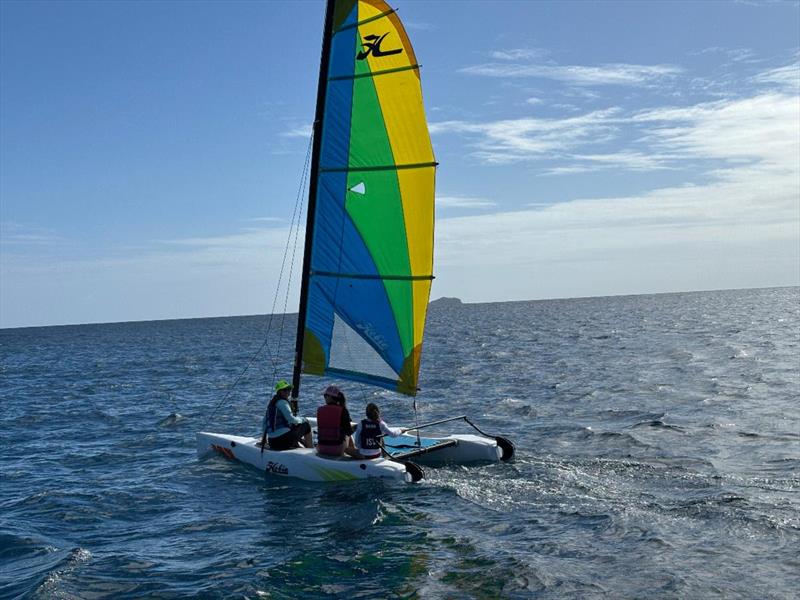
[372, 245]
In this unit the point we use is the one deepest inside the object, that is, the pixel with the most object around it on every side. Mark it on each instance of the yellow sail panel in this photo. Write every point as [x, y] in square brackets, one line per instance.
[372, 257]
[417, 190]
[400, 96]
[386, 35]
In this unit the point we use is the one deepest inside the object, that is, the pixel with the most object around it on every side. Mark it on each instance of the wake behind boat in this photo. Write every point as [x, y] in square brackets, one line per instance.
[368, 257]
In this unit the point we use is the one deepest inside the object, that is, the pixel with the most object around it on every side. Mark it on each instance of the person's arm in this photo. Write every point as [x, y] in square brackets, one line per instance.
[357, 435]
[286, 411]
[386, 430]
[346, 425]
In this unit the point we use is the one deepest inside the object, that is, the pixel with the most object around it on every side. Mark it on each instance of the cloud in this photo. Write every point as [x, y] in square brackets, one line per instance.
[174, 278]
[786, 77]
[739, 231]
[740, 228]
[515, 140]
[519, 54]
[608, 74]
[420, 26]
[463, 202]
[301, 131]
[629, 160]
[19, 234]
[265, 220]
[743, 55]
[761, 127]
[764, 128]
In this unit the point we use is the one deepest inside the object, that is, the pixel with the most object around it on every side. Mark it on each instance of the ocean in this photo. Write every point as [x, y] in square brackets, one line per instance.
[658, 456]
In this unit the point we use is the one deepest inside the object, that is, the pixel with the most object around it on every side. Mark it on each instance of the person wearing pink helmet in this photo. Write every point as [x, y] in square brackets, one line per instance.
[333, 425]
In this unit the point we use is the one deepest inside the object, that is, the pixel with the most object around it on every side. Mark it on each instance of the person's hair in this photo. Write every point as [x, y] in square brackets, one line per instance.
[373, 412]
[341, 400]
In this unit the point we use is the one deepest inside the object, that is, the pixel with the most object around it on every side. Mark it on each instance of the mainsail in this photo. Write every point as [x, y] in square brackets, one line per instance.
[370, 254]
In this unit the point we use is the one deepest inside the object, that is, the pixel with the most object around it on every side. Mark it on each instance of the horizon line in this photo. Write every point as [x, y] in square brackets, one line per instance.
[547, 299]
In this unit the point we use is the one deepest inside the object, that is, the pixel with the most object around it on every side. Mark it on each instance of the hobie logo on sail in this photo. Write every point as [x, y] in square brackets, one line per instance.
[373, 45]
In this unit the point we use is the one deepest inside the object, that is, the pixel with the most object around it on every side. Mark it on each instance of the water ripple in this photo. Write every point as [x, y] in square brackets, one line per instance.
[657, 457]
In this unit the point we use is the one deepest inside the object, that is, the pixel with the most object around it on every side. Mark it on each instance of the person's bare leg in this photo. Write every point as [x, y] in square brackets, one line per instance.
[350, 449]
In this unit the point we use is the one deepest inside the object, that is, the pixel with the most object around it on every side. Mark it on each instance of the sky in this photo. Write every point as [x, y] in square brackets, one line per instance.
[151, 153]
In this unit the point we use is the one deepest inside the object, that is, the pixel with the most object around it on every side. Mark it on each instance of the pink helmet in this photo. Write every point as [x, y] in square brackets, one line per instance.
[333, 391]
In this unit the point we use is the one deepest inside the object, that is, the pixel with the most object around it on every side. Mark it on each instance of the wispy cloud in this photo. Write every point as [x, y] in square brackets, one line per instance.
[519, 54]
[265, 220]
[420, 26]
[761, 128]
[740, 227]
[787, 77]
[186, 277]
[299, 131]
[764, 129]
[515, 140]
[628, 160]
[735, 55]
[463, 202]
[19, 234]
[607, 74]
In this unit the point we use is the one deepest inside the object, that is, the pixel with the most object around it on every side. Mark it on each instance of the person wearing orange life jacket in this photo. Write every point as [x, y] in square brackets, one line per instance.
[368, 431]
[333, 425]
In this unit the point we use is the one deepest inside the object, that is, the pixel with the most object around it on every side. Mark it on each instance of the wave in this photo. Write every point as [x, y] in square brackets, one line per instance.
[31, 562]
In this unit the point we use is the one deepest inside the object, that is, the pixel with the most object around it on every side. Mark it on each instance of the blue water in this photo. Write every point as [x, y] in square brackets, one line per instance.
[657, 438]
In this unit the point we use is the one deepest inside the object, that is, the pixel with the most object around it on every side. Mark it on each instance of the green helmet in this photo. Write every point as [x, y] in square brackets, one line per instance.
[282, 385]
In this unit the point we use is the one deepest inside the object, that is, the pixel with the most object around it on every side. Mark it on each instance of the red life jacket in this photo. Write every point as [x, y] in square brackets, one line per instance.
[329, 424]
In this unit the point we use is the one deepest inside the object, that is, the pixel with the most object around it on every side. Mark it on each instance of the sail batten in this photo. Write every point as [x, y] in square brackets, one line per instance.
[365, 21]
[371, 260]
[378, 167]
[374, 74]
[363, 276]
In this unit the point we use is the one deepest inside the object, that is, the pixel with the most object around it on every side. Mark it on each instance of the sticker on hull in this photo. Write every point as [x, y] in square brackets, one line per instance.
[277, 468]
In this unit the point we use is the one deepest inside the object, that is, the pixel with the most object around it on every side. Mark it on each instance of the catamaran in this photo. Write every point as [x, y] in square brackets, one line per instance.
[368, 260]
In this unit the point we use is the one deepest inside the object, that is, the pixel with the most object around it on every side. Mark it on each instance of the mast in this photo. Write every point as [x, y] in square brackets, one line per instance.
[322, 86]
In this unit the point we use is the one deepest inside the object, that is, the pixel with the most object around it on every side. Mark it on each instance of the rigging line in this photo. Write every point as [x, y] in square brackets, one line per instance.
[293, 227]
[299, 203]
[272, 312]
[238, 379]
[274, 357]
[416, 422]
[288, 288]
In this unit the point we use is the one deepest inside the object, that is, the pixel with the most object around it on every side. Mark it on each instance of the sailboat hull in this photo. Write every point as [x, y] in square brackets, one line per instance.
[301, 463]
[435, 450]
[466, 449]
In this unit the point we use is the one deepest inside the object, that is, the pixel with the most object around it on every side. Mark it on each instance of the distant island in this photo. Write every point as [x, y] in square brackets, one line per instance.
[446, 302]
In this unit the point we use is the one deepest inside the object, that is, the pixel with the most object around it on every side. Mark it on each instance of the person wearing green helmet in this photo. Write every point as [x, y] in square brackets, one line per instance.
[283, 430]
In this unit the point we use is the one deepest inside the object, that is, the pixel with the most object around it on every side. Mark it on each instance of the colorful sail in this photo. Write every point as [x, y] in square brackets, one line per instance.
[372, 247]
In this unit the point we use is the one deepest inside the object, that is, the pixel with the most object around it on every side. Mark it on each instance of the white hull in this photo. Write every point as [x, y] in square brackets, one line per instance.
[303, 463]
[468, 449]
